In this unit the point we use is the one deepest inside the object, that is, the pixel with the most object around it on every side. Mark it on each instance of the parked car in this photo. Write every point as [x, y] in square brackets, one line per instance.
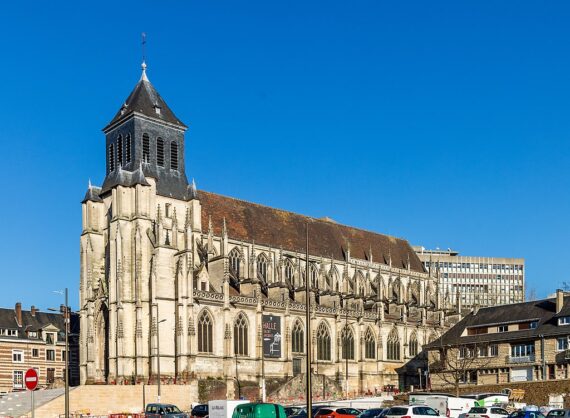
[486, 412]
[163, 410]
[558, 413]
[373, 413]
[415, 411]
[303, 412]
[292, 410]
[337, 413]
[199, 411]
[259, 410]
[526, 414]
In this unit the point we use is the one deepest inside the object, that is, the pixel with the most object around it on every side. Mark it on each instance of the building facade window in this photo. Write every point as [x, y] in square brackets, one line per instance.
[174, 155]
[235, 263]
[262, 268]
[297, 338]
[240, 336]
[50, 355]
[50, 375]
[369, 344]
[50, 338]
[413, 347]
[314, 274]
[145, 148]
[35, 352]
[17, 356]
[289, 272]
[564, 320]
[347, 339]
[205, 333]
[522, 350]
[502, 328]
[323, 343]
[562, 343]
[393, 346]
[493, 350]
[18, 379]
[160, 152]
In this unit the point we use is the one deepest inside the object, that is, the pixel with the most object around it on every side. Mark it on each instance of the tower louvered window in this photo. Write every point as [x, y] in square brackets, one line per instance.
[120, 150]
[128, 146]
[174, 155]
[160, 152]
[111, 157]
[146, 148]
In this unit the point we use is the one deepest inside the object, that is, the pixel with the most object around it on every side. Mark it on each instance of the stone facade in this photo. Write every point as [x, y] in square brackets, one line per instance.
[167, 272]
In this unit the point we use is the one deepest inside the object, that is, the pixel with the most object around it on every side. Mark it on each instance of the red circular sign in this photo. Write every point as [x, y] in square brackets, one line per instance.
[31, 379]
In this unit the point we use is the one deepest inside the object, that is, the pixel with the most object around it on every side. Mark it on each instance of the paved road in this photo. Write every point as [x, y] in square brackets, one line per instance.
[16, 404]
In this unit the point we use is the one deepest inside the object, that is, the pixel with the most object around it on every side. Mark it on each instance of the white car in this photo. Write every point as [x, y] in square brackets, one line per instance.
[486, 412]
[415, 411]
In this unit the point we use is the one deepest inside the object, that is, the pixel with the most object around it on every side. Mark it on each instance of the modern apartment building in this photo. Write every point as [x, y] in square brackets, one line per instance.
[34, 339]
[509, 343]
[482, 281]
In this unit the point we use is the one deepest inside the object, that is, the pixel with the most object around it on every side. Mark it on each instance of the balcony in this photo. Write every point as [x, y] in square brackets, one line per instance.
[521, 359]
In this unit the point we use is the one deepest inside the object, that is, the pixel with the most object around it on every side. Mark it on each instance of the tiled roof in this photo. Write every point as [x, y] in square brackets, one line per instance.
[542, 310]
[281, 229]
[29, 322]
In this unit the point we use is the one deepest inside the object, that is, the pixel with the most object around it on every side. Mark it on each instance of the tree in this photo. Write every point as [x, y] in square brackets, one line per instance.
[459, 364]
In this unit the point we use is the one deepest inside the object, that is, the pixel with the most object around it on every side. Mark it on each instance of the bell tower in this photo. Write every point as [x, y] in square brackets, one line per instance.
[146, 139]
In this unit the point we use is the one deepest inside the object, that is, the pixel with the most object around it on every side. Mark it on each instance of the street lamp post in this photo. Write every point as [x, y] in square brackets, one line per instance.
[66, 321]
[158, 351]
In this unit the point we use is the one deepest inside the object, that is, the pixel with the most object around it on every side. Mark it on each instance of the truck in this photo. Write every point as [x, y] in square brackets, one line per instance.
[223, 408]
[446, 404]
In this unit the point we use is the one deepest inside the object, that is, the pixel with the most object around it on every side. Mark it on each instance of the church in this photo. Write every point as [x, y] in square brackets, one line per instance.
[181, 284]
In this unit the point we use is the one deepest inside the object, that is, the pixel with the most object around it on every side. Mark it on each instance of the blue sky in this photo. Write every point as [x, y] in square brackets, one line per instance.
[446, 123]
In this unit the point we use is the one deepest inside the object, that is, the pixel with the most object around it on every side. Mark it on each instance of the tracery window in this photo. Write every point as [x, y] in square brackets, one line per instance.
[146, 148]
[323, 342]
[160, 152]
[393, 346]
[111, 157]
[289, 272]
[297, 337]
[347, 338]
[262, 267]
[174, 155]
[413, 347]
[240, 335]
[235, 262]
[369, 344]
[120, 150]
[314, 274]
[205, 337]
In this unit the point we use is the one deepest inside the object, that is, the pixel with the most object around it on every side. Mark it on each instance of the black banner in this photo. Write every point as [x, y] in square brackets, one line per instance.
[271, 336]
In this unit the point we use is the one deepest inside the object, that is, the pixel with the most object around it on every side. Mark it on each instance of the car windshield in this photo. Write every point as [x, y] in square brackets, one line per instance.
[556, 413]
[478, 410]
[171, 409]
[397, 411]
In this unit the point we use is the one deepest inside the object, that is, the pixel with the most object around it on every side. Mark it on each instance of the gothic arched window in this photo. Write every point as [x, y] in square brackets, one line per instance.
[413, 347]
[174, 155]
[314, 274]
[262, 267]
[323, 342]
[146, 148]
[297, 337]
[111, 157]
[393, 346]
[289, 272]
[205, 333]
[369, 344]
[128, 148]
[160, 152]
[347, 338]
[235, 262]
[120, 150]
[240, 335]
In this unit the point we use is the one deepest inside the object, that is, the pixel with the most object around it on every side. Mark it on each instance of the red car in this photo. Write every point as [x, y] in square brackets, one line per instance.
[338, 413]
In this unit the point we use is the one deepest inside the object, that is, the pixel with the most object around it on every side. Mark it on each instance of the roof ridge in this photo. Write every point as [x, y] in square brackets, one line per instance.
[306, 216]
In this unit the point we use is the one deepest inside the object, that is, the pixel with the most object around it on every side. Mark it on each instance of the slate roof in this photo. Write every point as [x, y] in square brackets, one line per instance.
[277, 228]
[92, 194]
[123, 178]
[544, 311]
[29, 322]
[144, 99]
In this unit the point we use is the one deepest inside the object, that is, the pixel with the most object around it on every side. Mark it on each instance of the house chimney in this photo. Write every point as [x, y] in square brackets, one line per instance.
[33, 311]
[559, 300]
[18, 311]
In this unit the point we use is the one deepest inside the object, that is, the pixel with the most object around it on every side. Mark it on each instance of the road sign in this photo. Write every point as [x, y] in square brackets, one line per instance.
[31, 379]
